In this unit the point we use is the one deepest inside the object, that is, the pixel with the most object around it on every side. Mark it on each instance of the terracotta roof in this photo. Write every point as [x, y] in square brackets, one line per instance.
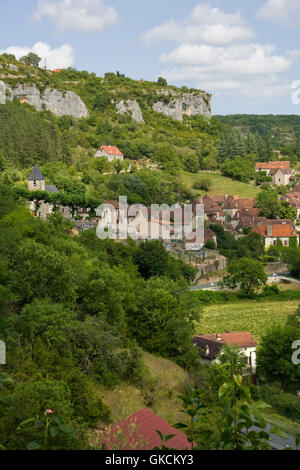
[111, 150]
[237, 203]
[241, 339]
[272, 165]
[140, 430]
[278, 230]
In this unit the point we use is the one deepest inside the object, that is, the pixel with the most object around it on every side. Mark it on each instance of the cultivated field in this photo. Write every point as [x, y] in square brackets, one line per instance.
[252, 316]
[220, 185]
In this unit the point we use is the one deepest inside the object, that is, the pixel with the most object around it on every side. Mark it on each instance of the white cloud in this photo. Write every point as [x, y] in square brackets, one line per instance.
[213, 52]
[282, 11]
[243, 59]
[204, 24]
[78, 15]
[62, 57]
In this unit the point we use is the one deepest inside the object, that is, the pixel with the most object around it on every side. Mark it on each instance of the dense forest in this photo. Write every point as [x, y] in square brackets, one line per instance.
[75, 312]
[283, 132]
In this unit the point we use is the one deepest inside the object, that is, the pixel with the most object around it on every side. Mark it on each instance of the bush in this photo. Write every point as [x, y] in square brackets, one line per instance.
[203, 184]
[284, 403]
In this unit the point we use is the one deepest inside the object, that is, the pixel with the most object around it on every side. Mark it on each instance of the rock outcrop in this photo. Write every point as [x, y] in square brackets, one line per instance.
[58, 103]
[130, 107]
[2, 93]
[189, 104]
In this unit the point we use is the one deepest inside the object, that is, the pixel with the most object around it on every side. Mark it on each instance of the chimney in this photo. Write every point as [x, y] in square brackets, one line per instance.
[269, 230]
[218, 337]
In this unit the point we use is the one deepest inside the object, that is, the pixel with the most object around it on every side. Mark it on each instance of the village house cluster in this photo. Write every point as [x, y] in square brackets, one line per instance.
[281, 173]
[236, 213]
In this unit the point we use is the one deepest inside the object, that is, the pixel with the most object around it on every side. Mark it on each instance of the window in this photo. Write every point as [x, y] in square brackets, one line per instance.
[286, 243]
[275, 242]
[34, 183]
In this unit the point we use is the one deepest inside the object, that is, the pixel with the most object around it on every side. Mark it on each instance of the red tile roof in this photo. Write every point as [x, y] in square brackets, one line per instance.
[242, 339]
[278, 231]
[139, 433]
[272, 165]
[111, 150]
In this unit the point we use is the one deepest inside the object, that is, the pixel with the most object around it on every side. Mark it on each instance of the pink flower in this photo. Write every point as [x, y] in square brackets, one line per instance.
[48, 412]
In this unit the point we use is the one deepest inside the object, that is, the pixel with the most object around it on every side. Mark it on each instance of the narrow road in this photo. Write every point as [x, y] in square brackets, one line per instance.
[216, 286]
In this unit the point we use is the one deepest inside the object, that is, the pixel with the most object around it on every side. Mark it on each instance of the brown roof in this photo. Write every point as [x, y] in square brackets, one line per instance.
[296, 189]
[246, 212]
[140, 431]
[293, 199]
[284, 171]
[242, 339]
[248, 221]
[272, 165]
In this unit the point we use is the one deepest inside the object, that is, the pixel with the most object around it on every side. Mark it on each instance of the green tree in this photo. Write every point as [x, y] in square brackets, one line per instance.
[31, 59]
[274, 356]
[247, 274]
[268, 203]
[162, 81]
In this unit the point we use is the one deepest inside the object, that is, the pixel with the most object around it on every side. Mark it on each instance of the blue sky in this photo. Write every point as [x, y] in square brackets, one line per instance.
[246, 54]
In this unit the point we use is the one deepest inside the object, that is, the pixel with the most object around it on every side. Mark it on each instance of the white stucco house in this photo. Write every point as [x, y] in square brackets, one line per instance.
[110, 152]
[274, 230]
[211, 346]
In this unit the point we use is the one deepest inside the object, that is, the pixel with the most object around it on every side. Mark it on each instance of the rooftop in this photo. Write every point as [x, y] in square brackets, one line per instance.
[139, 433]
[36, 175]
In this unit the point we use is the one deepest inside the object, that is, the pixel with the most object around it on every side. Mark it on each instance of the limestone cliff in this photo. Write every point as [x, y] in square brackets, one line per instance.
[53, 100]
[190, 104]
[2, 93]
[130, 107]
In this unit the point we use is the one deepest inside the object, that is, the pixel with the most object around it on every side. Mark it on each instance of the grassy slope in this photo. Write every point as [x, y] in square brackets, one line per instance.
[170, 380]
[251, 315]
[220, 185]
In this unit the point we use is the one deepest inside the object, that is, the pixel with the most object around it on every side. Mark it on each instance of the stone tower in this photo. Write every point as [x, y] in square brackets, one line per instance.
[36, 180]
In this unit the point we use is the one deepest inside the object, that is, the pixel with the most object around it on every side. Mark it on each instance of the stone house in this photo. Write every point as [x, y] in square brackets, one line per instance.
[110, 152]
[211, 346]
[282, 176]
[37, 182]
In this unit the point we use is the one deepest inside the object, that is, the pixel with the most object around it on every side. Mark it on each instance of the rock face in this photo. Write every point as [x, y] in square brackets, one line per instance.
[53, 100]
[131, 107]
[187, 104]
[2, 93]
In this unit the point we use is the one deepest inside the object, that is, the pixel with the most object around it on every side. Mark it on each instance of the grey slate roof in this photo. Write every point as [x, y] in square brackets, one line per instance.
[36, 175]
[51, 188]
